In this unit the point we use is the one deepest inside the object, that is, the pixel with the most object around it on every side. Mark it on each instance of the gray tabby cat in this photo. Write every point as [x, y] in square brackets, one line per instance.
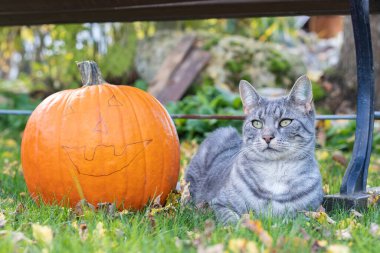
[272, 169]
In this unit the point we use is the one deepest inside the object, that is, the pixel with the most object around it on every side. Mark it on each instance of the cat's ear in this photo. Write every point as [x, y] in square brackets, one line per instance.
[302, 93]
[249, 96]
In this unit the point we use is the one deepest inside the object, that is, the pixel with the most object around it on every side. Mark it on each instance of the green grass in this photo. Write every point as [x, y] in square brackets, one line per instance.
[181, 231]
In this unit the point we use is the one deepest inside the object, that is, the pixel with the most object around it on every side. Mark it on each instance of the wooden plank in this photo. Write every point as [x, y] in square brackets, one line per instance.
[25, 6]
[171, 62]
[22, 6]
[184, 76]
[22, 12]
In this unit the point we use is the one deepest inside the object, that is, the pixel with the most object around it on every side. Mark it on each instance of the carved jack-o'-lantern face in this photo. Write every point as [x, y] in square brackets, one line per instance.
[101, 142]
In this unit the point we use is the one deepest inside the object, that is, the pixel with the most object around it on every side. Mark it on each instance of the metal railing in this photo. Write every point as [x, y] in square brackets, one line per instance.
[211, 116]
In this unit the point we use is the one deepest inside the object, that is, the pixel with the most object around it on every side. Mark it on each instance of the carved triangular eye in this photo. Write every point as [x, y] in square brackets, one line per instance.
[114, 102]
[101, 126]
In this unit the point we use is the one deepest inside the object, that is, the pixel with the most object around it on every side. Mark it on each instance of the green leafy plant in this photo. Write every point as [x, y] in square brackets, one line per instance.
[342, 137]
[14, 124]
[206, 100]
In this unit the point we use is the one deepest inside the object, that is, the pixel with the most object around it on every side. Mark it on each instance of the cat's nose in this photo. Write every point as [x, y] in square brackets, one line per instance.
[268, 138]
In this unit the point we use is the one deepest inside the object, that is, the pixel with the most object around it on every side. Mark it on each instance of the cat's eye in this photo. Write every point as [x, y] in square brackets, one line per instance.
[285, 122]
[257, 124]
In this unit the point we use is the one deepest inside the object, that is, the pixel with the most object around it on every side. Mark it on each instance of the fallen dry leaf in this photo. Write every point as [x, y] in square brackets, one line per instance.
[318, 245]
[281, 241]
[23, 194]
[3, 221]
[74, 224]
[83, 231]
[199, 240]
[356, 214]
[169, 208]
[245, 216]
[82, 207]
[152, 220]
[326, 188]
[242, 246]
[350, 223]
[119, 232]
[321, 217]
[373, 198]
[182, 243]
[256, 227]
[374, 229]
[343, 234]
[108, 208]
[284, 243]
[322, 243]
[217, 248]
[322, 155]
[321, 209]
[124, 212]
[21, 208]
[337, 248]
[185, 195]
[209, 228]
[196, 239]
[298, 242]
[99, 230]
[15, 236]
[173, 199]
[157, 202]
[179, 243]
[42, 234]
[305, 235]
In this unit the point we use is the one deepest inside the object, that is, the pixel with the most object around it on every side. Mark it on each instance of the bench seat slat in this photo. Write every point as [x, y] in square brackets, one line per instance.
[22, 12]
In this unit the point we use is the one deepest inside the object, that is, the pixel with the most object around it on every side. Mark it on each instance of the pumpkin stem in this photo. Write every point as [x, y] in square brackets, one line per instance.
[90, 73]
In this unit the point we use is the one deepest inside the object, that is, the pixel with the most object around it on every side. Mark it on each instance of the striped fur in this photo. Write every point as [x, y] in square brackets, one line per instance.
[235, 175]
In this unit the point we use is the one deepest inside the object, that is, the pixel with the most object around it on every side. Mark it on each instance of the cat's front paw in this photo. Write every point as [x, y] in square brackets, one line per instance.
[227, 216]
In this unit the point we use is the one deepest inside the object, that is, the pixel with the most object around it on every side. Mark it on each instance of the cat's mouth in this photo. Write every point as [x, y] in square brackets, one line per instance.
[270, 149]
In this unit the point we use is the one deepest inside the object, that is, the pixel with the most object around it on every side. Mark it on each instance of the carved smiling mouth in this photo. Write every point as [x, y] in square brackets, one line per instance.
[95, 161]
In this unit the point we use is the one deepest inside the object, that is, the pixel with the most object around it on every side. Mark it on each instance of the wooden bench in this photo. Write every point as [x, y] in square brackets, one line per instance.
[24, 12]
[353, 188]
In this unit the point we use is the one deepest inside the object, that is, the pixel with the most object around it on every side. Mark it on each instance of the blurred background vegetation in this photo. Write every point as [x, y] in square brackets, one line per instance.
[37, 61]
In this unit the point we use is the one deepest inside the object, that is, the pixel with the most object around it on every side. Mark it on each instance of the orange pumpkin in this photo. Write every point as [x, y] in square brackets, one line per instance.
[102, 143]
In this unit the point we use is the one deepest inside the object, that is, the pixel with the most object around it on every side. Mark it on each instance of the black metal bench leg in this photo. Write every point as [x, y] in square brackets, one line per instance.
[353, 188]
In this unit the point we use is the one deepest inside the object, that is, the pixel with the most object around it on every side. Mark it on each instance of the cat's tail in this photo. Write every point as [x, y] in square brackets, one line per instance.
[208, 167]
